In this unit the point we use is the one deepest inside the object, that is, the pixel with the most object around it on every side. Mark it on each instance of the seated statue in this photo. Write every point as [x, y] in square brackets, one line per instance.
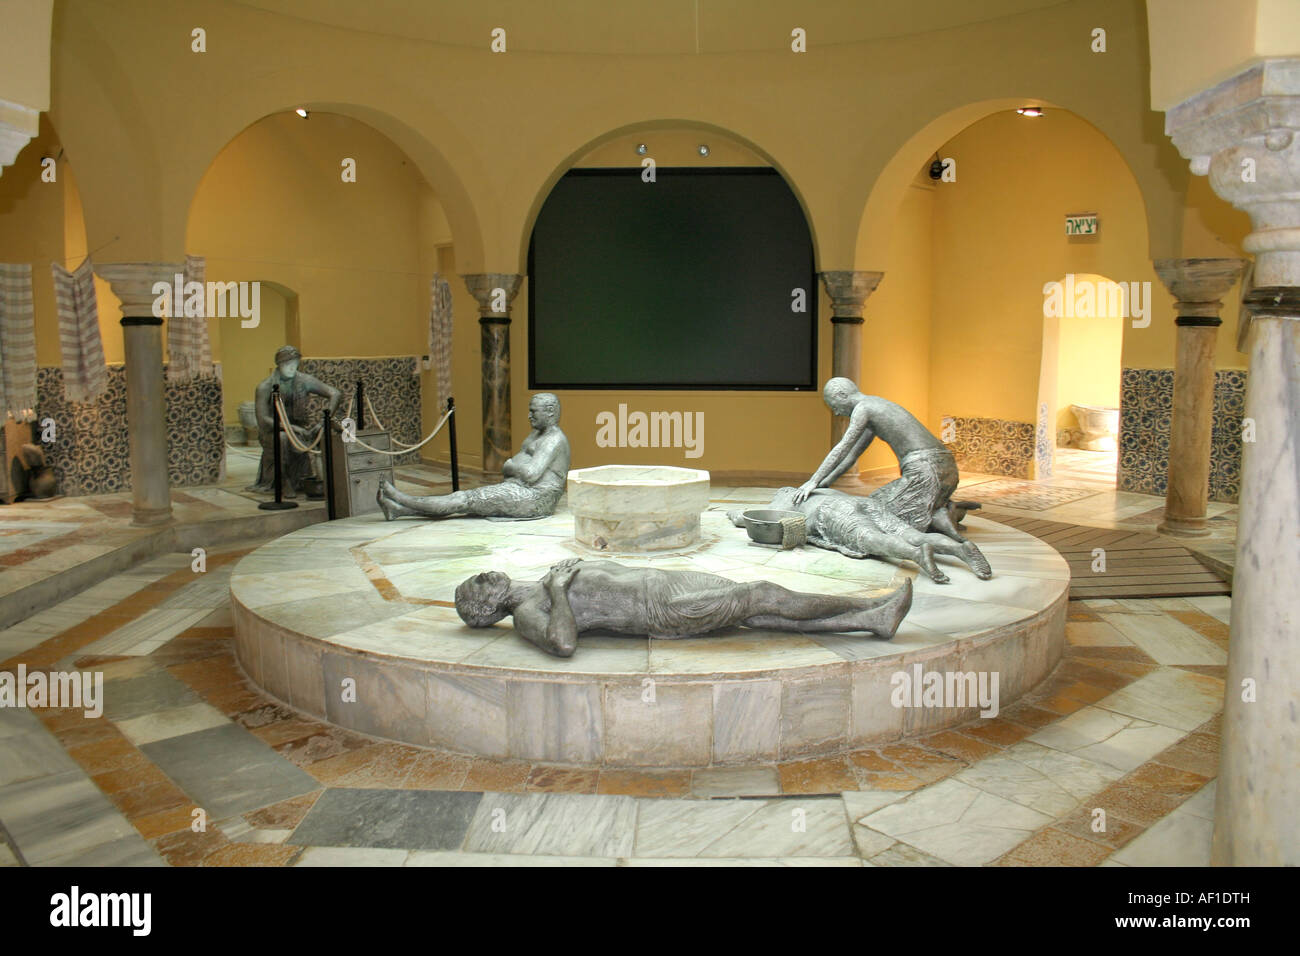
[295, 386]
[927, 468]
[534, 478]
[863, 527]
[577, 596]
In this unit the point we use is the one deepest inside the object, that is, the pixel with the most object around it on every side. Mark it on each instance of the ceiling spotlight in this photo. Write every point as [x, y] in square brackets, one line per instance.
[301, 111]
[642, 149]
[704, 149]
[1030, 111]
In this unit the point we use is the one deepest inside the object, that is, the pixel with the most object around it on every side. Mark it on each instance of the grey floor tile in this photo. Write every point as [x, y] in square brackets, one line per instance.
[144, 695]
[391, 819]
[227, 770]
[34, 754]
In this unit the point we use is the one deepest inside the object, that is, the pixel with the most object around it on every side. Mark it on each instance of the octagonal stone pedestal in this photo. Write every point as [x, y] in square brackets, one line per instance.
[637, 508]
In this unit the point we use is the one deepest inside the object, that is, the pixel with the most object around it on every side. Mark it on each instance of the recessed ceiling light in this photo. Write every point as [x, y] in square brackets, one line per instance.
[1030, 111]
[642, 149]
[704, 149]
[301, 111]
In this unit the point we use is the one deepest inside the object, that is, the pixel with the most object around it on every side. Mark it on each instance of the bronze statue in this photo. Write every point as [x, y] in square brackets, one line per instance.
[577, 596]
[534, 478]
[295, 386]
[927, 468]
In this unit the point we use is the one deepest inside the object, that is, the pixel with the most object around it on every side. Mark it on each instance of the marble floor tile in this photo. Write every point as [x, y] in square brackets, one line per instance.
[173, 722]
[713, 782]
[1217, 606]
[124, 699]
[553, 824]
[1094, 634]
[147, 632]
[37, 753]
[958, 823]
[862, 803]
[131, 850]
[436, 858]
[1180, 839]
[747, 861]
[388, 819]
[59, 815]
[1166, 640]
[351, 856]
[1169, 696]
[1045, 780]
[805, 827]
[1201, 804]
[226, 770]
[1105, 737]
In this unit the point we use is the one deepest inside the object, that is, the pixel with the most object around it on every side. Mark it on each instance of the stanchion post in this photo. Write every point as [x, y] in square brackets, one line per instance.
[451, 437]
[361, 405]
[327, 461]
[279, 504]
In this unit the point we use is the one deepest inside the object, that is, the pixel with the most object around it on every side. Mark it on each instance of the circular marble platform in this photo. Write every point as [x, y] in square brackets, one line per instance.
[363, 604]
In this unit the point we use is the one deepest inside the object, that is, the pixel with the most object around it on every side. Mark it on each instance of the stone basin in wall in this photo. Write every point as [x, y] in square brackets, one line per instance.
[637, 508]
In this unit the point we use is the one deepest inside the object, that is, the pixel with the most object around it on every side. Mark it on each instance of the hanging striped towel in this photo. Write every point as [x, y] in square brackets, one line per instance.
[17, 343]
[440, 336]
[84, 373]
[189, 351]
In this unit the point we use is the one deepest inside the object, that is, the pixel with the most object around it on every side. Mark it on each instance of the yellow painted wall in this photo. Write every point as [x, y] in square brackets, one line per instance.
[273, 206]
[248, 355]
[1087, 363]
[896, 340]
[458, 145]
[999, 236]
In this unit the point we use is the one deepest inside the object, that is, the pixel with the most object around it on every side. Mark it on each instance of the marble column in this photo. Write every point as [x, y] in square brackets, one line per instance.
[848, 291]
[1197, 285]
[1243, 134]
[495, 292]
[146, 406]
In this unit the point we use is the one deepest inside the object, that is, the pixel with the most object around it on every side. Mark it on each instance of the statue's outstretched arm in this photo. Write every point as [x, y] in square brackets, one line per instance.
[846, 451]
[328, 392]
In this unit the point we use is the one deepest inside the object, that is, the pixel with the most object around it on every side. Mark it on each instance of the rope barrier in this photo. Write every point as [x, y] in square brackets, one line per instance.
[288, 430]
[408, 448]
[370, 408]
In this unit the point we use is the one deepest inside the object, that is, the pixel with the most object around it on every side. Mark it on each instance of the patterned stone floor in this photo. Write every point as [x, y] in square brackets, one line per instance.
[1111, 761]
[1126, 725]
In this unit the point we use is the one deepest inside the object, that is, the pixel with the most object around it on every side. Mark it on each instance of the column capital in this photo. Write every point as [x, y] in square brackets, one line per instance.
[1198, 285]
[1243, 135]
[493, 305]
[848, 291]
[133, 282]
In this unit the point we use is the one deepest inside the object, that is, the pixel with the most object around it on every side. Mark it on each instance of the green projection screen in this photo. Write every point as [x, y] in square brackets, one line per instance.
[686, 282]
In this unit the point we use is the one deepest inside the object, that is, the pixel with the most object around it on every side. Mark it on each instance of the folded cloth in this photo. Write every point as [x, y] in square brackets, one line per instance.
[440, 336]
[189, 350]
[17, 343]
[84, 373]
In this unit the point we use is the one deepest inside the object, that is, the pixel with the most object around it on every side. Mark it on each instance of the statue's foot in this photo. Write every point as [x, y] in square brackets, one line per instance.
[899, 604]
[384, 505]
[930, 566]
[974, 557]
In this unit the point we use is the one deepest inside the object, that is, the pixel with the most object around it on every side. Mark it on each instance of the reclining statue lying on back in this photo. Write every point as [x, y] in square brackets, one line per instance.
[577, 596]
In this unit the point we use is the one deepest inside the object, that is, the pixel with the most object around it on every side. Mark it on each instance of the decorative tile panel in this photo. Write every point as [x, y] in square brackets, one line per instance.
[994, 446]
[91, 452]
[1145, 418]
[393, 386]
